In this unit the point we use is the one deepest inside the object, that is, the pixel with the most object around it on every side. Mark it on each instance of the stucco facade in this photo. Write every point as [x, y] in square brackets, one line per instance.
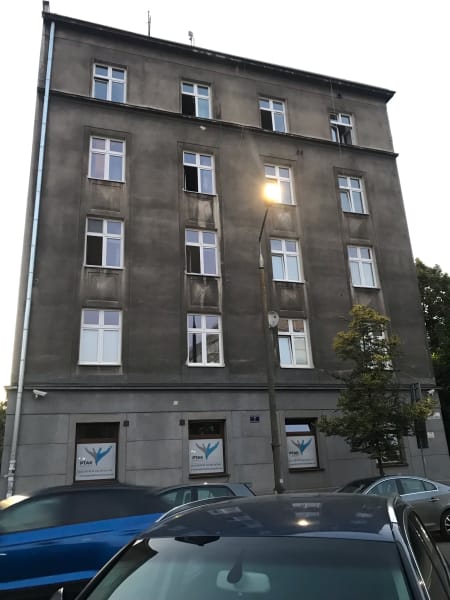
[153, 399]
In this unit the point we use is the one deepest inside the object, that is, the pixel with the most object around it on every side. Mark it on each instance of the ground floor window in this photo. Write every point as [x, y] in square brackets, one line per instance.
[96, 451]
[206, 447]
[301, 442]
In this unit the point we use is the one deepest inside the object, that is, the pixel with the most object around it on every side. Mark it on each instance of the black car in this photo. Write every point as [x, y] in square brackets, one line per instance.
[280, 547]
[64, 535]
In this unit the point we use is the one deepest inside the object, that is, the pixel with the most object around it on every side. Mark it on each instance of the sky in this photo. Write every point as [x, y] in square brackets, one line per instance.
[402, 45]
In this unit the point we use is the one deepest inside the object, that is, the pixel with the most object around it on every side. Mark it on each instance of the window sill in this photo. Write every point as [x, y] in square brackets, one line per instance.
[296, 367]
[300, 470]
[289, 281]
[103, 267]
[210, 275]
[98, 364]
[366, 287]
[220, 365]
[209, 475]
[111, 182]
[355, 213]
[200, 194]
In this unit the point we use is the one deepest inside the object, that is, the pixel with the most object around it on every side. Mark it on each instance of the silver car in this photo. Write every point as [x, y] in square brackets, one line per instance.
[431, 499]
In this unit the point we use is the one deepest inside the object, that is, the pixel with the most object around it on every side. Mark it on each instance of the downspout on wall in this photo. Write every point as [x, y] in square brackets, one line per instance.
[31, 264]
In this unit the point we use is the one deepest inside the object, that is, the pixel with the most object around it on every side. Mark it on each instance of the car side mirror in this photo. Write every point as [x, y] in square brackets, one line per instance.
[58, 595]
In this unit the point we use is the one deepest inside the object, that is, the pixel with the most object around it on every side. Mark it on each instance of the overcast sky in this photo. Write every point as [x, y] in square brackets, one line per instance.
[396, 44]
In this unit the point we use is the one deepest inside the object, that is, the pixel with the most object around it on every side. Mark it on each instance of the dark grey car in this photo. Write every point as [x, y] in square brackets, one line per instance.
[280, 547]
[431, 499]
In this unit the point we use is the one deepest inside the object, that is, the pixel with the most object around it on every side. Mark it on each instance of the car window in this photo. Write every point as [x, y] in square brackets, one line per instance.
[411, 486]
[387, 487]
[213, 491]
[429, 487]
[34, 513]
[96, 505]
[176, 497]
[429, 560]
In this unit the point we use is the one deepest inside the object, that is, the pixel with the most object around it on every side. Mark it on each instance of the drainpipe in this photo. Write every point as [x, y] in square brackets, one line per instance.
[31, 263]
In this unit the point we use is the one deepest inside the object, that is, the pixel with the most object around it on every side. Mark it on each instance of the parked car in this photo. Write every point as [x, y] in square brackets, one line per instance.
[64, 535]
[431, 499]
[279, 547]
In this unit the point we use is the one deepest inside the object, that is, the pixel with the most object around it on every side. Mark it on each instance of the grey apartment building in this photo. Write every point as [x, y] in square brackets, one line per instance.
[141, 350]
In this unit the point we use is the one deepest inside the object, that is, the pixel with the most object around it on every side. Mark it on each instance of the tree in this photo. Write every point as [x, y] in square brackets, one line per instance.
[434, 287]
[370, 415]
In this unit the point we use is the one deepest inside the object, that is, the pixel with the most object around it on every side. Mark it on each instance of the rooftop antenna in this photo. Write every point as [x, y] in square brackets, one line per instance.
[191, 37]
[149, 22]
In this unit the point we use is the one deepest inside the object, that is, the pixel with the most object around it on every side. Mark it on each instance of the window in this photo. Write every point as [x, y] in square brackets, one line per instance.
[109, 83]
[206, 447]
[301, 443]
[201, 252]
[204, 340]
[293, 343]
[388, 487]
[282, 177]
[285, 260]
[351, 194]
[104, 243]
[96, 451]
[362, 267]
[341, 128]
[375, 343]
[272, 114]
[198, 172]
[195, 100]
[107, 159]
[100, 339]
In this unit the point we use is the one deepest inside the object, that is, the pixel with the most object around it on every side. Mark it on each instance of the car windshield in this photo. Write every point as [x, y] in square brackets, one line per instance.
[269, 568]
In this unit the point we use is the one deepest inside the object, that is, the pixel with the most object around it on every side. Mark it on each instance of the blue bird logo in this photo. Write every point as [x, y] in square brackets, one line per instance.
[301, 446]
[97, 455]
[207, 450]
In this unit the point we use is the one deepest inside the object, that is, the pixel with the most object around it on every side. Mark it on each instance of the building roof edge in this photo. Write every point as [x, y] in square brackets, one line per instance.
[383, 93]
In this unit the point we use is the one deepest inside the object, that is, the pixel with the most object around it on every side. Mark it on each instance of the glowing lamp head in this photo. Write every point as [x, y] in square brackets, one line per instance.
[272, 193]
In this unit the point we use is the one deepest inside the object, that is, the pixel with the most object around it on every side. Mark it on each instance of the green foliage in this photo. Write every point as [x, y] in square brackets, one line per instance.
[370, 415]
[434, 287]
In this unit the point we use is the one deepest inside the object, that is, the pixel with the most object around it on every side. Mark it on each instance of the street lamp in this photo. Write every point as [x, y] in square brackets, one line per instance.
[271, 195]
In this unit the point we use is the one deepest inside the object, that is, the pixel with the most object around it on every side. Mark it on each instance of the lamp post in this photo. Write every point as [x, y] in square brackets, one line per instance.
[270, 322]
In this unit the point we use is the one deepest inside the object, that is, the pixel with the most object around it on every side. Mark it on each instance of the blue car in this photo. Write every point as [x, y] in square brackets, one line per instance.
[65, 535]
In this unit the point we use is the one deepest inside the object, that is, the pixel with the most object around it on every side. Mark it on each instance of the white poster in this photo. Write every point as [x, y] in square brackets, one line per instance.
[301, 451]
[206, 456]
[95, 461]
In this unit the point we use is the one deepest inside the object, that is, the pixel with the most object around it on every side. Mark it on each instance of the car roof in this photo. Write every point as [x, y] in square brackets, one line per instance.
[116, 486]
[337, 515]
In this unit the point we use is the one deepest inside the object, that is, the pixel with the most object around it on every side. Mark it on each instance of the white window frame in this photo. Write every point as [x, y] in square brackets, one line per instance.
[110, 79]
[273, 111]
[339, 128]
[107, 153]
[200, 168]
[292, 335]
[204, 331]
[284, 253]
[280, 180]
[100, 328]
[359, 261]
[349, 189]
[203, 246]
[105, 237]
[197, 96]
